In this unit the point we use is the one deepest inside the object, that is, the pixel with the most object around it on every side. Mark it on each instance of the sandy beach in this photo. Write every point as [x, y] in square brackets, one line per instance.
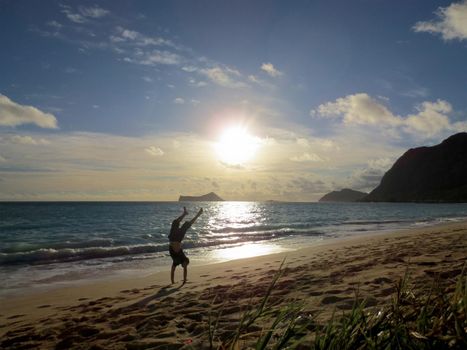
[143, 313]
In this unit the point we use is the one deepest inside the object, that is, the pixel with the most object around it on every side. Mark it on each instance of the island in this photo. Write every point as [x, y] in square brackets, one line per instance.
[210, 197]
[427, 174]
[344, 195]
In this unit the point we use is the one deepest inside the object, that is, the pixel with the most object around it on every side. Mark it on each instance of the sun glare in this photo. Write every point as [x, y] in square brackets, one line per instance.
[247, 251]
[236, 146]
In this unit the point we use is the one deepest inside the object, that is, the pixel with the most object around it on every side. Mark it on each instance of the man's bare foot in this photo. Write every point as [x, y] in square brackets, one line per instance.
[184, 281]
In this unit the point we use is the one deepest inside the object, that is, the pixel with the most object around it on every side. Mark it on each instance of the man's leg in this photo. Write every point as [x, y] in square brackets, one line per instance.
[172, 273]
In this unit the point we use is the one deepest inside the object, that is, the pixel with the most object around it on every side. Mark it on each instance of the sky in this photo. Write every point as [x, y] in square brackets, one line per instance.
[253, 100]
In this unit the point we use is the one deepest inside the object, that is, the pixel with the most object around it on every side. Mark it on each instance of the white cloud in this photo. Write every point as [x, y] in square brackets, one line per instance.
[84, 13]
[54, 24]
[129, 34]
[271, 70]
[195, 102]
[303, 142]
[138, 39]
[155, 151]
[14, 114]
[28, 140]
[196, 83]
[74, 17]
[256, 80]
[430, 120]
[417, 92]
[189, 69]
[307, 157]
[223, 77]
[157, 57]
[147, 79]
[451, 22]
[358, 109]
[179, 101]
[93, 11]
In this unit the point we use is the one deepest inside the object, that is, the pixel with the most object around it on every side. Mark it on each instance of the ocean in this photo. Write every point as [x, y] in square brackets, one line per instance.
[44, 244]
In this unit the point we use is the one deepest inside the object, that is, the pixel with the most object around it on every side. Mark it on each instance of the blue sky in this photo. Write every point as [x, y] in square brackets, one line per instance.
[125, 100]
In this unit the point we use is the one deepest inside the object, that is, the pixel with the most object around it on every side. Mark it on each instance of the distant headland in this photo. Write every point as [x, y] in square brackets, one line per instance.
[345, 195]
[210, 197]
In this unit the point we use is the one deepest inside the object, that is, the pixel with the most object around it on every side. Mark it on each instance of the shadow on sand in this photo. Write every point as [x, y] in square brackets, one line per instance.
[161, 293]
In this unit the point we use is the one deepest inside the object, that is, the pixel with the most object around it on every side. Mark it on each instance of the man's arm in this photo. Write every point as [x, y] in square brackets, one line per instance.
[200, 211]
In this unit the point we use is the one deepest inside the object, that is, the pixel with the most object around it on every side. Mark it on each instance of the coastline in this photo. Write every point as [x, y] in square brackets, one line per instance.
[325, 275]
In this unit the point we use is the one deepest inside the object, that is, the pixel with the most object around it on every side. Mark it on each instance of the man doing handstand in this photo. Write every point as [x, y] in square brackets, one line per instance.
[176, 236]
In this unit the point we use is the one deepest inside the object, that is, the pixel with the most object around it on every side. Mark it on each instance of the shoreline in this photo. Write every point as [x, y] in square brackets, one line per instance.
[119, 275]
[37, 278]
[325, 275]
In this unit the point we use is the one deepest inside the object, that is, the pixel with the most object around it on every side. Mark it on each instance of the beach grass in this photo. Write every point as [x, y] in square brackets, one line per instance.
[412, 320]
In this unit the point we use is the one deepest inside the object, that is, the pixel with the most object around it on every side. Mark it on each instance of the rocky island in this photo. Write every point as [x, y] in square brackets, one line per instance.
[210, 197]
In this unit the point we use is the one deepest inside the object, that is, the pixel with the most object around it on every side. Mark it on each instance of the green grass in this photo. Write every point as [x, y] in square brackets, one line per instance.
[434, 320]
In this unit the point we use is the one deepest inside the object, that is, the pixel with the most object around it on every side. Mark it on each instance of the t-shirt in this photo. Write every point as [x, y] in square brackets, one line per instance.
[178, 233]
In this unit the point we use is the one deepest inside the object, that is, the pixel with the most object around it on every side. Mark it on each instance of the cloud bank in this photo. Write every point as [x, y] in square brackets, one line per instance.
[271, 70]
[14, 114]
[451, 22]
[430, 119]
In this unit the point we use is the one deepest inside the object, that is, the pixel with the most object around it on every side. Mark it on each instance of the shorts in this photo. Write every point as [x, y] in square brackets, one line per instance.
[178, 257]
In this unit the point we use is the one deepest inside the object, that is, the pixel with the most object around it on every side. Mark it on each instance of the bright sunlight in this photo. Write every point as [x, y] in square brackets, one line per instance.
[236, 146]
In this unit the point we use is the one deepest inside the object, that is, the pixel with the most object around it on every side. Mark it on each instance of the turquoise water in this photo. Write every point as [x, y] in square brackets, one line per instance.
[55, 243]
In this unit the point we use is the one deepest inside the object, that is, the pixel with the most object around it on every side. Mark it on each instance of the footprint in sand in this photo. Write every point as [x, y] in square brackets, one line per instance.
[315, 293]
[387, 291]
[381, 280]
[14, 316]
[334, 291]
[204, 276]
[331, 299]
[44, 306]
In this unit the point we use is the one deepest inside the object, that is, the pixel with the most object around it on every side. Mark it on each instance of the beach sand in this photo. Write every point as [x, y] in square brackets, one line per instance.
[149, 313]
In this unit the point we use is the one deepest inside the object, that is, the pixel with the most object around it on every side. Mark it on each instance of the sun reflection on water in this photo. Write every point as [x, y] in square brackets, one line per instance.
[237, 222]
[247, 251]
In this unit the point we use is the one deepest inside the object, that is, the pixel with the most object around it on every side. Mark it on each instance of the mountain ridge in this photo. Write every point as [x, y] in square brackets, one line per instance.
[427, 174]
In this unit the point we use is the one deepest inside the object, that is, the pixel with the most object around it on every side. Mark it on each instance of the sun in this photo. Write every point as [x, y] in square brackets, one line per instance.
[236, 146]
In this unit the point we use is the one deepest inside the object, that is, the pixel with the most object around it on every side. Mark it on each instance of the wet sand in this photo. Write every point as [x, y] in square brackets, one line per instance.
[150, 313]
